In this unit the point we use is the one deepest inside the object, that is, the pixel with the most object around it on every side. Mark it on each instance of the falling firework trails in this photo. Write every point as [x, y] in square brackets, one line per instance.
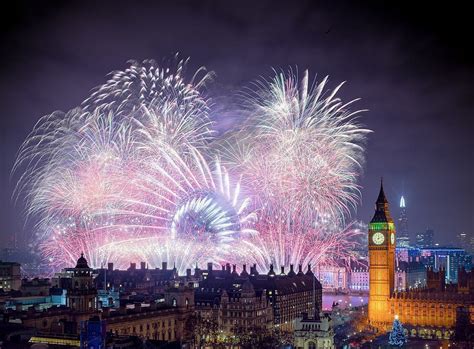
[304, 150]
[131, 175]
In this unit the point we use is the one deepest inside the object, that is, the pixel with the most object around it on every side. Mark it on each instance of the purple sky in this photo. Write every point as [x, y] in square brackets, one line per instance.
[412, 71]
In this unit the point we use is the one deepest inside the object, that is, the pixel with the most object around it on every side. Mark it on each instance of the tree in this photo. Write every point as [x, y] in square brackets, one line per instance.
[397, 336]
[204, 330]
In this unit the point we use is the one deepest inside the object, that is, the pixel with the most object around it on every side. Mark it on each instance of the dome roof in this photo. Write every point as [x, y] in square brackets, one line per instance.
[82, 263]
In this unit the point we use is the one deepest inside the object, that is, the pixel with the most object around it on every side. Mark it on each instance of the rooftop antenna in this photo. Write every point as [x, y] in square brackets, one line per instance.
[314, 295]
[105, 277]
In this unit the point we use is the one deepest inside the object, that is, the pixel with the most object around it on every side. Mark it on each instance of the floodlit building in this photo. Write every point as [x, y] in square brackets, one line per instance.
[403, 238]
[428, 312]
[314, 332]
[381, 262]
[359, 276]
[333, 277]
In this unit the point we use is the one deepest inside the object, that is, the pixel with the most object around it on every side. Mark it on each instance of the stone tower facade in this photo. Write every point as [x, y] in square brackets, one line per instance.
[382, 242]
[82, 296]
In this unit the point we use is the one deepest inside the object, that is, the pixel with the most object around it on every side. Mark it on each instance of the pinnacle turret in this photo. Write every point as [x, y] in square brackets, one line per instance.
[382, 213]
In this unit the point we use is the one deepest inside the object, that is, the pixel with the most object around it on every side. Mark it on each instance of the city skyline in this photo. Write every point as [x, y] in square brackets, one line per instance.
[399, 109]
[236, 174]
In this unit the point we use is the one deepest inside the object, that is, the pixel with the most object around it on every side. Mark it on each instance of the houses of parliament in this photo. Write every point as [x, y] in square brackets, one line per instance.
[428, 311]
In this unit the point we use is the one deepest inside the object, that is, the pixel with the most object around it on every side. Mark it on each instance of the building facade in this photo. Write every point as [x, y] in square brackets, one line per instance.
[381, 261]
[314, 332]
[333, 278]
[359, 276]
[168, 322]
[10, 276]
[287, 296]
[431, 311]
[244, 309]
[82, 295]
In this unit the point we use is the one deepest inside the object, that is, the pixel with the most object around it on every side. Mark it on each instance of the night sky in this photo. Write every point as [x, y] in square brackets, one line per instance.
[412, 67]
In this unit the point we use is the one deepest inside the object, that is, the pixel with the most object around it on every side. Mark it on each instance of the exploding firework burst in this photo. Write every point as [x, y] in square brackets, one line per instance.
[304, 149]
[83, 171]
[302, 145]
[165, 106]
[134, 173]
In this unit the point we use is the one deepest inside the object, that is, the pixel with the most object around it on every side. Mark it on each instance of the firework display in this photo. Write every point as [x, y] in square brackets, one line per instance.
[304, 150]
[136, 173]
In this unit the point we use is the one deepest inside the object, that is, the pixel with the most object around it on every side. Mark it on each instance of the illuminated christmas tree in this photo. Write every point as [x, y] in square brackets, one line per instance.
[397, 336]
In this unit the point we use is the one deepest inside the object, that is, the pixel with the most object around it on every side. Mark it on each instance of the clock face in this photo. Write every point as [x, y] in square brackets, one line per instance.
[392, 238]
[378, 238]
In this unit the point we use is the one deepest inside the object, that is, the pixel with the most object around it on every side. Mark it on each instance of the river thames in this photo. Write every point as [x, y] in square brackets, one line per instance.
[344, 301]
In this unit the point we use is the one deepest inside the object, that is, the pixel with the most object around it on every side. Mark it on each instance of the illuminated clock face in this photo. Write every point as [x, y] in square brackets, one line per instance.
[378, 238]
[392, 238]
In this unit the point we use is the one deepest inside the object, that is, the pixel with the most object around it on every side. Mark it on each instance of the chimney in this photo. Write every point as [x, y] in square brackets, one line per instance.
[282, 270]
[142, 265]
[164, 265]
[300, 269]
[209, 266]
[223, 267]
[227, 267]
[138, 307]
[188, 273]
[271, 272]
[133, 266]
[110, 266]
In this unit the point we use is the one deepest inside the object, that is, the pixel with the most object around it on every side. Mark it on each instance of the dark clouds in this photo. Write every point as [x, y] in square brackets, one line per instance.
[413, 72]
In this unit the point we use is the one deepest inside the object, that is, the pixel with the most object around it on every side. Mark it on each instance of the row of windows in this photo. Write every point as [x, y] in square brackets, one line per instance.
[249, 314]
[423, 305]
[165, 336]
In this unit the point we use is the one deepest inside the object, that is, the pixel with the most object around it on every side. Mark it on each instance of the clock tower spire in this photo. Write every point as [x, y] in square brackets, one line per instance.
[381, 262]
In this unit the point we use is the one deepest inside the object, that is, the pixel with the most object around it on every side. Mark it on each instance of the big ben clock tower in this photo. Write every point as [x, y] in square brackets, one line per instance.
[381, 262]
